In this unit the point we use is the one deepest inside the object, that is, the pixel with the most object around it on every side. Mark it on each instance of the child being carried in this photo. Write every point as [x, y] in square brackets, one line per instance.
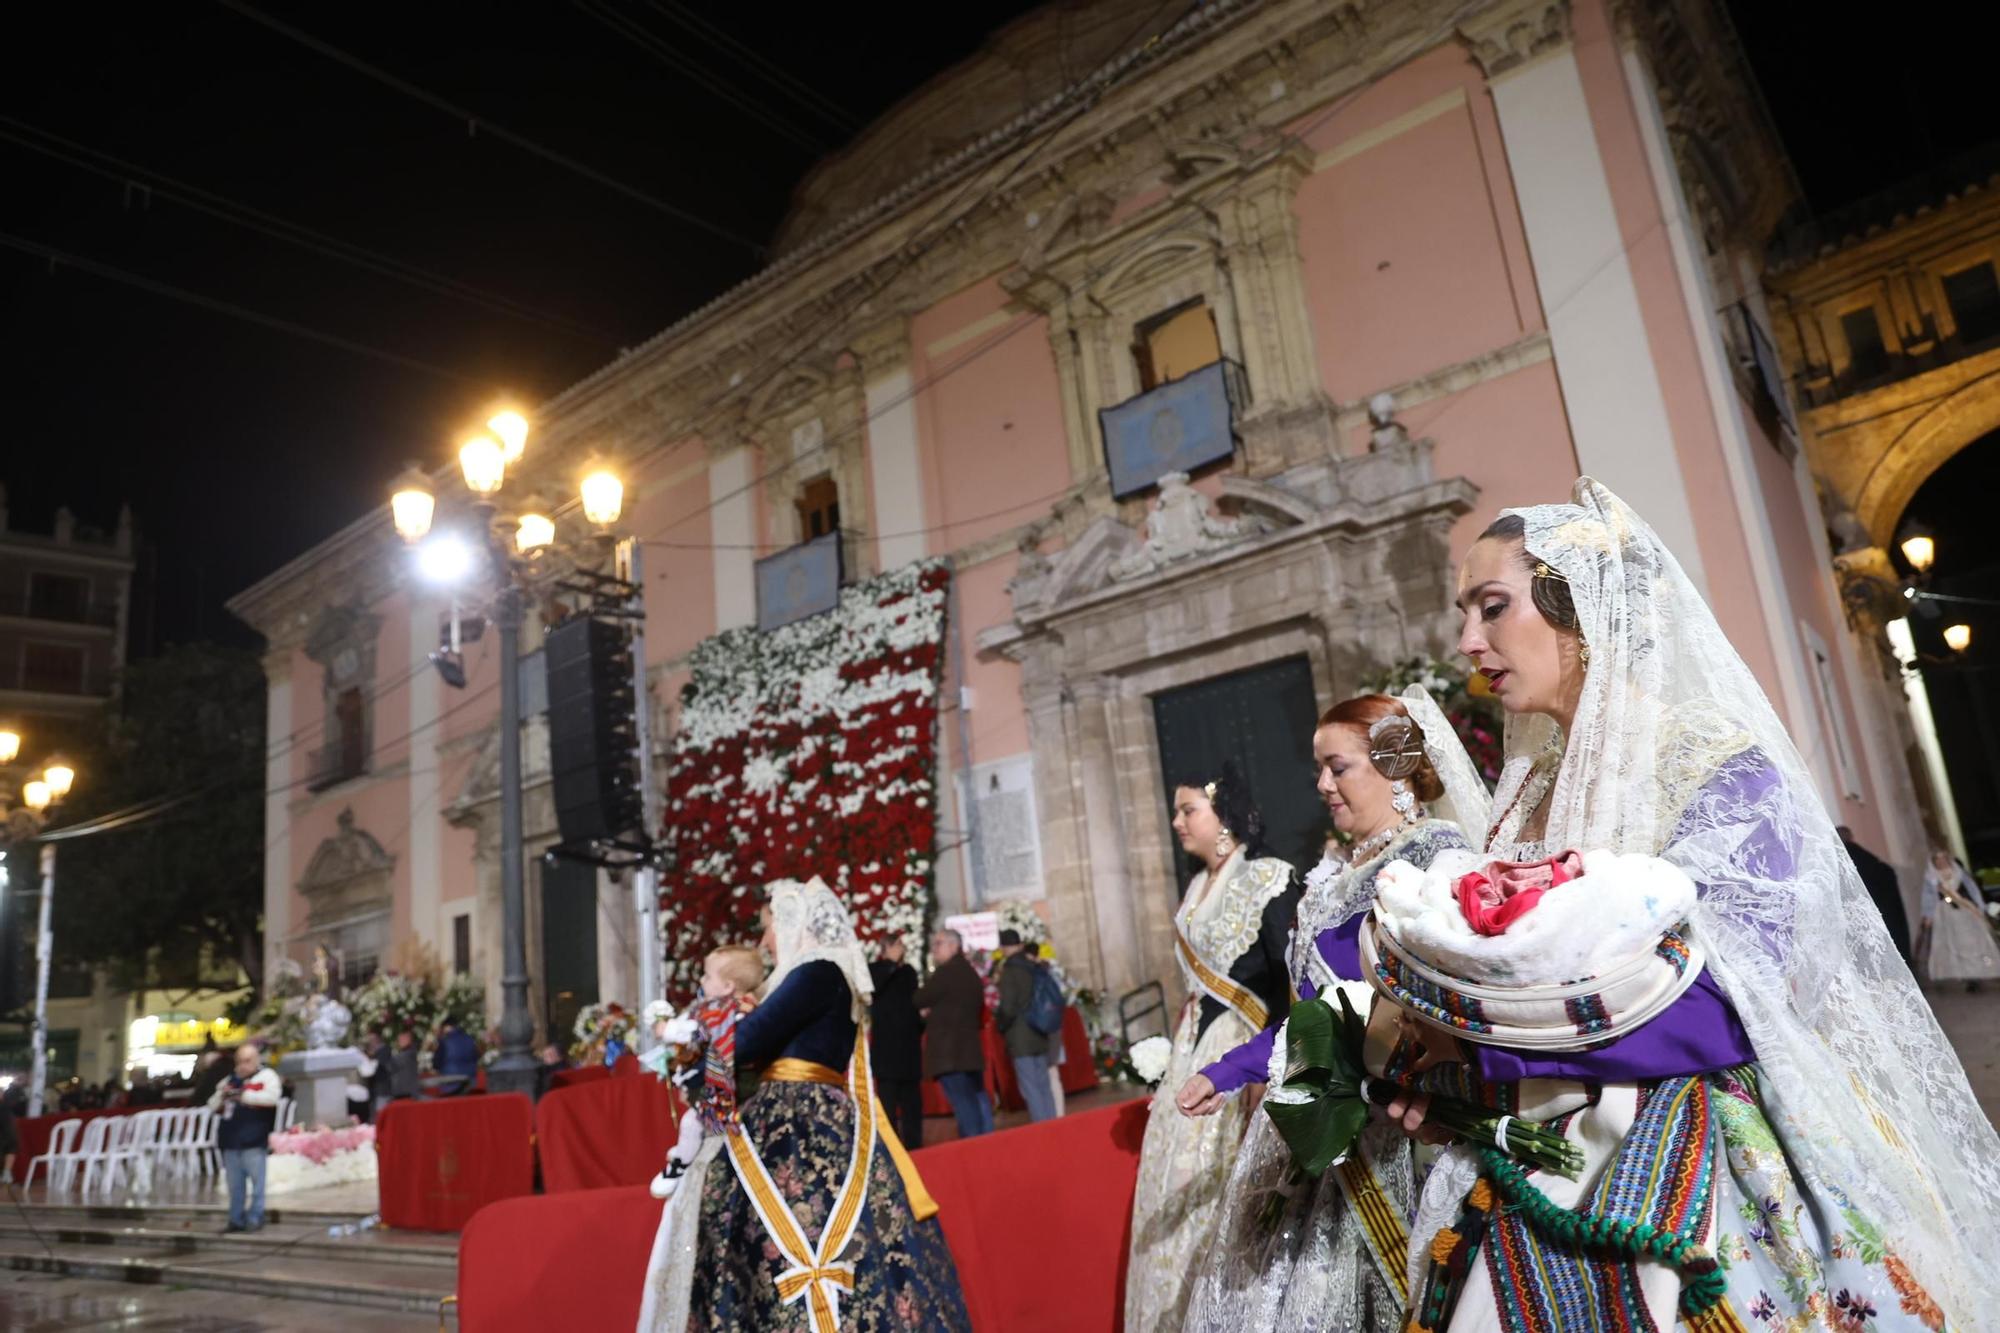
[699, 1053]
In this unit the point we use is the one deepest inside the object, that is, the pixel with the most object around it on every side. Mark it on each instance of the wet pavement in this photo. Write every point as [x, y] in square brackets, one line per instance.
[30, 1303]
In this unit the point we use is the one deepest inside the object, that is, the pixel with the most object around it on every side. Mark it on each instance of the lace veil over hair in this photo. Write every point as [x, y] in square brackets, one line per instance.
[1674, 742]
[811, 924]
[1465, 801]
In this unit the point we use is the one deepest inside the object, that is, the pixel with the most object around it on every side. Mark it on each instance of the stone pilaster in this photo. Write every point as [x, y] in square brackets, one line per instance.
[1515, 32]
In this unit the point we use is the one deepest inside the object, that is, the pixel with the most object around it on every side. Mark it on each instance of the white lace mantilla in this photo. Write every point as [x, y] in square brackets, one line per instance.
[1336, 894]
[1222, 924]
[1676, 751]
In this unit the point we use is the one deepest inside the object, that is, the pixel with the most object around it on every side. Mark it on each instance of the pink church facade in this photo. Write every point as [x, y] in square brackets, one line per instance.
[1538, 243]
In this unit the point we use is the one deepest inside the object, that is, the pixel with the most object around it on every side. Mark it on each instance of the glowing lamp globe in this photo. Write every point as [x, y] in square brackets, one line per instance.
[511, 429]
[444, 559]
[35, 795]
[1958, 637]
[533, 532]
[60, 777]
[484, 464]
[603, 498]
[1920, 549]
[10, 746]
[412, 504]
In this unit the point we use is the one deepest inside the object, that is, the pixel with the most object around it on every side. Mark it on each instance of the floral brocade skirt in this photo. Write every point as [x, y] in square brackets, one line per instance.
[1695, 1156]
[904, 1277]
[1184, 1165]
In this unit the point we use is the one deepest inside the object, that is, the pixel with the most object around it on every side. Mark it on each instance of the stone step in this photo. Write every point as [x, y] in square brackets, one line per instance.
[347, 1281]
[154, 1214]
[372, 1246]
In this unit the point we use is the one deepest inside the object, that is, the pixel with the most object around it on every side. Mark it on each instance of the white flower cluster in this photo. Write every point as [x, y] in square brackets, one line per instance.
[815, 722]
[1149, 1058]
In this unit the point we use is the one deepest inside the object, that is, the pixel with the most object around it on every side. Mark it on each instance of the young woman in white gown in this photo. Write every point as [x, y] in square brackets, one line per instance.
[1229, 937]
[1293, 1254]
[1959, 942]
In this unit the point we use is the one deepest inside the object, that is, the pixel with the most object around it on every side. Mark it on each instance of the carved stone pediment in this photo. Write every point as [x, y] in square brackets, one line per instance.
[343, 641]
[1182, 525]
[348, 874]
[1187, 532]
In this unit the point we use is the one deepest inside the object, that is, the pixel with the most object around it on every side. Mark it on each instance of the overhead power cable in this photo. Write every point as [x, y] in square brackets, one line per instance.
[104, 164]
[230, 308]
[663, 51]
[800, 91]
[475, 123]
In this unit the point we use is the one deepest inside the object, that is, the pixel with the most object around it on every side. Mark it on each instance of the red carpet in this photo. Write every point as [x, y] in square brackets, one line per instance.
[1037, 1219]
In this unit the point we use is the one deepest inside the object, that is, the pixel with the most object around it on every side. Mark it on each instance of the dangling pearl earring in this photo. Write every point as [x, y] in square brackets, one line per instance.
[1402, 798]
[1225, 843]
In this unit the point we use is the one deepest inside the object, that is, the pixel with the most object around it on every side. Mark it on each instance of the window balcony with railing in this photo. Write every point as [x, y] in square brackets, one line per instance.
[332, 764]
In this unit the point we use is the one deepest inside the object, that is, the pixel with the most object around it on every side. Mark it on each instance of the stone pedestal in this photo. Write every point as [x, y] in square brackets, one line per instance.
[319, 1080]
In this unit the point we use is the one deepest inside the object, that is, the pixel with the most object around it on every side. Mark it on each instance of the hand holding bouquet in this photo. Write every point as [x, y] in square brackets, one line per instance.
[1321, 1091]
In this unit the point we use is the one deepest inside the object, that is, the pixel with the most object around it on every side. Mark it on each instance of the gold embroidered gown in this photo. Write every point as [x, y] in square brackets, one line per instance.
[1231, 933]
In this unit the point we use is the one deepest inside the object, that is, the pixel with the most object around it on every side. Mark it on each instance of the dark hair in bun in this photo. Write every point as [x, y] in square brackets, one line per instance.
[1232, 803]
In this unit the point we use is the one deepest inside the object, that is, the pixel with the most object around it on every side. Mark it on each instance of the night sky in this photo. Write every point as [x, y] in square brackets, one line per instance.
[239, 445]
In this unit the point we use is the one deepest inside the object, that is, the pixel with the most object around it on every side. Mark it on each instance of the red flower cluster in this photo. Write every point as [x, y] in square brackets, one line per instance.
[811, 771]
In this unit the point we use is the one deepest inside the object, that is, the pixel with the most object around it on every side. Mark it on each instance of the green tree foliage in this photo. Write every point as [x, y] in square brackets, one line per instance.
[174, 900]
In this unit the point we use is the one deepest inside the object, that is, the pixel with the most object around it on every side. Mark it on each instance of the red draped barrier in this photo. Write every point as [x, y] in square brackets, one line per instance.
[442, 1161]
[567, 1261]
[614, 1131]
[1037, 1218]
[1079, 1068]
[569, 1078]
[33, 1134]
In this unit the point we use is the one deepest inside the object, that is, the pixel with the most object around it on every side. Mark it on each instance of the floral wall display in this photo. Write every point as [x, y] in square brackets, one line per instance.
[1472, 712]
[809, 750]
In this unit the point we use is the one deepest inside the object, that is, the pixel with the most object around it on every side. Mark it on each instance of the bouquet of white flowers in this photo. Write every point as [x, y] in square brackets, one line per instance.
[1148, 1059]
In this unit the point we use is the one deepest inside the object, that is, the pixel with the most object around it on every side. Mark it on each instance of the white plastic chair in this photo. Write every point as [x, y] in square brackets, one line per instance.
[183, 1153]
[168, 1144]
[89, 1152]
[206, 1155]
[60, 1157]
[139, 1151]
[120, 1150]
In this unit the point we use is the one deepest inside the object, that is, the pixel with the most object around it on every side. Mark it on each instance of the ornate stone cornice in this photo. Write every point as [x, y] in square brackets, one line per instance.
[1512, 33]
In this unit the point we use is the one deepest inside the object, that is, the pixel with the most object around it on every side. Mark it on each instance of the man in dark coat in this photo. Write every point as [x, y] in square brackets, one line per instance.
[953, 1005]
[457, 1058]
[1883, 890]
[897, 1042]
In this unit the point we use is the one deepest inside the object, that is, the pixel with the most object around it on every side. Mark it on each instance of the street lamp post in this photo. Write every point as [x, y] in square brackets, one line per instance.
[483, 463]
[41, 797]
[514, 1071]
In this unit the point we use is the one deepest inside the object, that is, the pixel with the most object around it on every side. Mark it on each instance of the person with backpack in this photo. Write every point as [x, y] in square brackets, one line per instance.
[1029, 1019]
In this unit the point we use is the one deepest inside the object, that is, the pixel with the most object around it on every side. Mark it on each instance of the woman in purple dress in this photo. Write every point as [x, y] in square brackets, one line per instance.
[1795, 1121]
[1288, 1253]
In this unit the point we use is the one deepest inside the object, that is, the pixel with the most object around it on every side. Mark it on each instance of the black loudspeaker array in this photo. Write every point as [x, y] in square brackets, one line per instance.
[593, 732]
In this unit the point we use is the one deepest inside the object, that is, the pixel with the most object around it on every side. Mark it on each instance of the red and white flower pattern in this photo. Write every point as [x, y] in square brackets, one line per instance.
[810, 750]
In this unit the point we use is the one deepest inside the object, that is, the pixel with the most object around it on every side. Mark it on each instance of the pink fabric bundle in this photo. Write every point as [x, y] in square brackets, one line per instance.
[1501, 892]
